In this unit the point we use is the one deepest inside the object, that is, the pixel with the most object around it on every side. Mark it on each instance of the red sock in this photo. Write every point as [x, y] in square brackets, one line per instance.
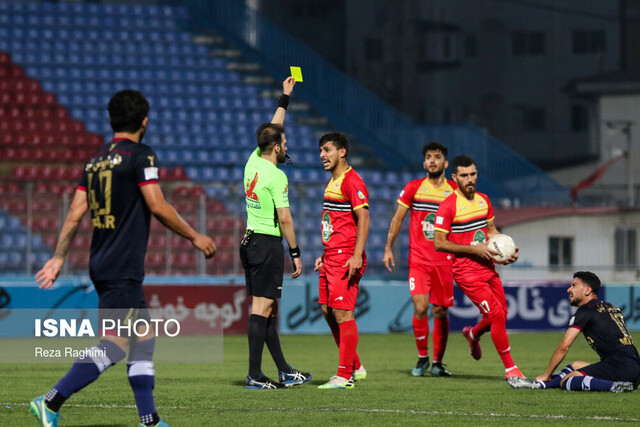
[440, 336]
[501, 341]
[348, 345]
[421, 333]
[481, 327]
[335, 330]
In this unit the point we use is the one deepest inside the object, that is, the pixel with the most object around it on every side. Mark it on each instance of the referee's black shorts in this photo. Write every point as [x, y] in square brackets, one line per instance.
[263, 263]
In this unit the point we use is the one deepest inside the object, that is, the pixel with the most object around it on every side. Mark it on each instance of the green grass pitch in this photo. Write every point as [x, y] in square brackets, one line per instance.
[213, 394]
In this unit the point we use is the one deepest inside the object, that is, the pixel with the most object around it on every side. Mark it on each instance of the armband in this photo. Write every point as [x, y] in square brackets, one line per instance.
[294, 252]
[283, 101]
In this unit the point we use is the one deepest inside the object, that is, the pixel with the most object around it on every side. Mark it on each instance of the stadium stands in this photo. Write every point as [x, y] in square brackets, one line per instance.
[59, 64]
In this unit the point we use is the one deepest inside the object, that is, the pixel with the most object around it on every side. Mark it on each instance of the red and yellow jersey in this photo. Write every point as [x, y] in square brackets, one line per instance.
[465, 221]
[342, 197]
[423, 199]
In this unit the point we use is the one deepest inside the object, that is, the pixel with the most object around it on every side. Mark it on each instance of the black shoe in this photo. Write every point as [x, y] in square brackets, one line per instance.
[261, 383]
[294, 377]
[439, 370]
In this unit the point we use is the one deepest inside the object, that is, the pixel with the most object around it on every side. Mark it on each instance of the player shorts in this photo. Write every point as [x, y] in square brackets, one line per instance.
[263, 263]
[484, 289]
[121, 301]
[433, 280]
[615, 368]
[336, 290]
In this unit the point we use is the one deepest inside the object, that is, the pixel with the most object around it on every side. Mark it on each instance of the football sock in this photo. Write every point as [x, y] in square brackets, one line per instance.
[587, 383]
[440, 337]
[257, 335]
[335, 331]
[84, 372]
[141, 373]
[348, 345]
[273, 343]
[480, 328]
[421, 334]
[555, 380]
[501, 339]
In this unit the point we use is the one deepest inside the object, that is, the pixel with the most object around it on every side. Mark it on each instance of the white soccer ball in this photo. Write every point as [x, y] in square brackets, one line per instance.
[504, 245]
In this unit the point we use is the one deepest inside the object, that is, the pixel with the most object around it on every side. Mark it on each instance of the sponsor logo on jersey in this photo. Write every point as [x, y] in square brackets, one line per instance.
[327, 228]
[428, 227]
[478, 237]
[253, 200]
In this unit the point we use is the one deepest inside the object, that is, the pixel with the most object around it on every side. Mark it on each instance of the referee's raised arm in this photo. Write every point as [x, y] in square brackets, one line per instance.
[283, 103]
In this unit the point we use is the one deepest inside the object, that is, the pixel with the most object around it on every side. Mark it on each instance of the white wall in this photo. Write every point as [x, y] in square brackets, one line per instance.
[593, 247]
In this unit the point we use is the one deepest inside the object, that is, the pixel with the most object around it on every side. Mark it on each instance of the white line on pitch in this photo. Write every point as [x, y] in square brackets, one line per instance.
[364, 410]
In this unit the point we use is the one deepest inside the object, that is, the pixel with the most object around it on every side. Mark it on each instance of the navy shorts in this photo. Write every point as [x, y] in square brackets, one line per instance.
[615, 368]
[121, 300]
[263, 263]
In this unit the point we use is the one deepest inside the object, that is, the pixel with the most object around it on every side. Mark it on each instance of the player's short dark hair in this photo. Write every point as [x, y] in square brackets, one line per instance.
[435, 146]
[268, 135]
[339, 139]
[461, 161]
[589, 279]
[127, 110]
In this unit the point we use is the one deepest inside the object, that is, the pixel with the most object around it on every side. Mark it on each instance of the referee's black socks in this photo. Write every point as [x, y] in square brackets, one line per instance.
[257, 335]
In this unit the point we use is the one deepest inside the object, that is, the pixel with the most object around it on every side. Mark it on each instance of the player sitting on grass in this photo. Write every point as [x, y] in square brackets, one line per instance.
[605, 330]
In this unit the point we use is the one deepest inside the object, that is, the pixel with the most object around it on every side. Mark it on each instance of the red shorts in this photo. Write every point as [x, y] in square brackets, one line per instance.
[335, 290]
[433, 280]
[484, 289]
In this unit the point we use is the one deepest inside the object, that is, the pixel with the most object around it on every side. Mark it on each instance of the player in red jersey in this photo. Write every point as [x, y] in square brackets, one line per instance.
[345, 227]
[464, 223]
[430, 275]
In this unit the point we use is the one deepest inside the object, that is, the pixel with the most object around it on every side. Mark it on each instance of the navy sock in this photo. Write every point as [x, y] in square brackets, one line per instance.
[84, 372]
[141, 373]
[587, 383]
[273, 343]
[257, 335]
[555, 380]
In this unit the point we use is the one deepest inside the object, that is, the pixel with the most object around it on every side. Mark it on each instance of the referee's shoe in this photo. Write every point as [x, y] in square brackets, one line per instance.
[262, 383]
[293, 377]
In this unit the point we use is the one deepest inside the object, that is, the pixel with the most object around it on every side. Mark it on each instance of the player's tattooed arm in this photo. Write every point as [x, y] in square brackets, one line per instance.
[62, 249]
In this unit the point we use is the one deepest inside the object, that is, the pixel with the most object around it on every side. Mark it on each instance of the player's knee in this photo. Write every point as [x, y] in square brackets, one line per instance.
[142, 351]
[439, 312]
[497, 316]
[106, 354]
[420, 310]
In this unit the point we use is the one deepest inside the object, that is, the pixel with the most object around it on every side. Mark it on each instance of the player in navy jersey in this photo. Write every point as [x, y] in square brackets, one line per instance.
[606, 332]
[120, 186]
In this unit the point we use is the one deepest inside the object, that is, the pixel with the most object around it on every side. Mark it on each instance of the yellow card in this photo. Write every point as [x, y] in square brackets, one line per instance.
[296, 73]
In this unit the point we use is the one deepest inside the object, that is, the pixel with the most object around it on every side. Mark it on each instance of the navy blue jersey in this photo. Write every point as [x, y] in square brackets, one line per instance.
[112, 179]
[604, 328]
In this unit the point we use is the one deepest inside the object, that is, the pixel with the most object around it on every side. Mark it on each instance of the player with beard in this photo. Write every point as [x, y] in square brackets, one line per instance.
[606, 332]
[463, 225]
[261, 250]
[345, 227]
[120, 187]
[430, 275]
